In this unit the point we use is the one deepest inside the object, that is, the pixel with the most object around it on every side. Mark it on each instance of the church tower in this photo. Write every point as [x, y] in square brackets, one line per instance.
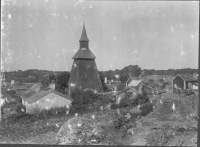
[84, 73]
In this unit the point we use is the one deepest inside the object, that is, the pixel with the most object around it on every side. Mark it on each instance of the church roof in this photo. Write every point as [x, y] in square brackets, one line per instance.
[84, 53]
[84, 34]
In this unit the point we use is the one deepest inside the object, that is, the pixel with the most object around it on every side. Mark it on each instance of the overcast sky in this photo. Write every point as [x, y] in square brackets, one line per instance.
[44, 34]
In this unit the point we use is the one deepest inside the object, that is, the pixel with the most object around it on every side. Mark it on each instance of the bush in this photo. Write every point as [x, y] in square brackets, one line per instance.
[57, 111]
[89, 97]
[124, 103]
[114, 106]
[83, 101]
[142, 99]
[146, 108]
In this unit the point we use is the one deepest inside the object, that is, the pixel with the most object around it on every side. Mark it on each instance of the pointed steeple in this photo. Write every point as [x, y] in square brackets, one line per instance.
[84, 34]
[84, 51]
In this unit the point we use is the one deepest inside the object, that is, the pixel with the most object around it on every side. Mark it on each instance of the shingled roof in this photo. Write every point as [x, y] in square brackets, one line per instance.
[188, 77]
[84, 53]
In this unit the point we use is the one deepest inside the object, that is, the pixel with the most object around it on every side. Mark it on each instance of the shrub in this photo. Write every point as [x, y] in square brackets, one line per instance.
[114, 106]
[124, 103]
[89, 97]
[57, 111]
[133, 102]
[146, 108]
[84, 101]
[141, 99]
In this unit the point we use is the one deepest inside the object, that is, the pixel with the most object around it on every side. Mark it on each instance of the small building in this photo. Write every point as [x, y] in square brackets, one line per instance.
[44, 99]
[134, 82]
[184, 82]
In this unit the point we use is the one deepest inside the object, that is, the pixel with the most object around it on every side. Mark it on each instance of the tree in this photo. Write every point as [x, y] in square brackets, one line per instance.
[83, 101]
[131, 70]
[45, 83]
[61, 83]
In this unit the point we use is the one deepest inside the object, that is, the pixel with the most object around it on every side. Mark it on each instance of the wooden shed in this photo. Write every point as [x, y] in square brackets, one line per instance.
[183, 82]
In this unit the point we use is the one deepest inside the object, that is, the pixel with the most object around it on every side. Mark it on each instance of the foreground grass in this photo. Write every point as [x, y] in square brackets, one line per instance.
[29, 132]
[44, 131]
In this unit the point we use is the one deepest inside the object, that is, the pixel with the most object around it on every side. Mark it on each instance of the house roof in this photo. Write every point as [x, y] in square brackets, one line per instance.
[134, 78]
[134, 83]
[34, 96]
[188, 77]
[195, 83]
[33, 87]
[84, 53]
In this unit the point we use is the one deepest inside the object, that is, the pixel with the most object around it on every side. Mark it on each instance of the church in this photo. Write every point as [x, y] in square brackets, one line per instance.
[84, 74]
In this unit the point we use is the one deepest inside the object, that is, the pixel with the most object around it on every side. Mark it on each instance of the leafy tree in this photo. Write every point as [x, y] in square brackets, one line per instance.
[45, 83]
[131, 70]
[61, 83]
[82, 100]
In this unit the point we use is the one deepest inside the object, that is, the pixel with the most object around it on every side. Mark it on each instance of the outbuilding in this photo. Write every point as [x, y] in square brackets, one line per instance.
[44, 99]
[184, 81]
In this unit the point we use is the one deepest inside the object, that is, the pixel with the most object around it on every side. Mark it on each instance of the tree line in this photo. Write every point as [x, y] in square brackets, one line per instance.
[61, 78]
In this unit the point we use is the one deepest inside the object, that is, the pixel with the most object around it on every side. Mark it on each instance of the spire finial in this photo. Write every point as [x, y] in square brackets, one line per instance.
[84, 35]
[83, 19]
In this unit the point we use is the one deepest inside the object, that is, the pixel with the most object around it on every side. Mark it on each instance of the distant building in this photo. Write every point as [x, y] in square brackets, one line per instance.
[184, 81]
[150, 79]
[44, 99]
[134, 82]
[84, 73]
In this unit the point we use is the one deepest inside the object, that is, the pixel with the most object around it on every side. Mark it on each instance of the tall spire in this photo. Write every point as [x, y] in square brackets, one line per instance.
[84, 51]
[84, 34]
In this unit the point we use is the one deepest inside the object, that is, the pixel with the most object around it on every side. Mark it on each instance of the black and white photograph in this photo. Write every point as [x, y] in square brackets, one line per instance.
[92, 72]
